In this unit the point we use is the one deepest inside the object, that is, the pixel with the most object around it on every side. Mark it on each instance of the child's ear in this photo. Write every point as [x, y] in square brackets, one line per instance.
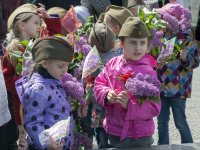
[21, 25]
[117, 28]
[44, 63]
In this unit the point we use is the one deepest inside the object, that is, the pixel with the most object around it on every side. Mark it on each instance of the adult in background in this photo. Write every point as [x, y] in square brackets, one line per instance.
[96, 7]
[56, 3]
[6, 8]
[197, 33]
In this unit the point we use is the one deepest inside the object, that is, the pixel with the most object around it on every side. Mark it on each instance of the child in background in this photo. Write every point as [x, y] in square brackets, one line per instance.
[114, 17]
[103, 38]
[23, 24]
[55, 13]
[176, 75]
[128, 123]
[82, 13]
[134, 5]
[44, 100]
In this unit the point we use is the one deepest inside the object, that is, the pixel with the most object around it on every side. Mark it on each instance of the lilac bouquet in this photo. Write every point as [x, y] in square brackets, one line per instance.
[73, 88]
[143, 86]
[177, 17]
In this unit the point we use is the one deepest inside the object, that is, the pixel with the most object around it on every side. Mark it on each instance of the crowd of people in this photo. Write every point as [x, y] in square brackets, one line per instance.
[93, 62]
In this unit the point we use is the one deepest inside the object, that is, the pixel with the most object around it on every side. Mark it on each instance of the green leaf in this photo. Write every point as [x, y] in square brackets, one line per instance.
[80, 56]
[150, 25]
[141, 14]
[154, 98]
[20, 59]
[77, 37]
[17, 54]
[151, 17]
[141, 99]
[24, 42]
[73, 65]
[19, 68]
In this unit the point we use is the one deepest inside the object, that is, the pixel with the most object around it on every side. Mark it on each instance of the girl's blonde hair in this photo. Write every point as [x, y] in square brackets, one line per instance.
[12, 40]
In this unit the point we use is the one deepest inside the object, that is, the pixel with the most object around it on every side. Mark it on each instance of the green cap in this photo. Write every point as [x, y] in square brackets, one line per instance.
[120, 14]
[52, 48]
[134, 28]
[26, 8]
[102, 37]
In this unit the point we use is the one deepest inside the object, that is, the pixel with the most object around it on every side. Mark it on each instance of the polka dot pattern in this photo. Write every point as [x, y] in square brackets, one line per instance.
[35, 103]
[52, 105]
[52, 87]
[33, 118]
[49, 98]
[56, 117]
[34, 128]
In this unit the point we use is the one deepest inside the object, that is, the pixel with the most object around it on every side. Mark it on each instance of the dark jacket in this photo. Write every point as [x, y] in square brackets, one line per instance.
[56, 3]
[197, 30]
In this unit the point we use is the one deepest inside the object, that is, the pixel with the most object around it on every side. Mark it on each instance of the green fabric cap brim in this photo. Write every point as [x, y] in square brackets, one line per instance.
[52, 48]
[134, 28]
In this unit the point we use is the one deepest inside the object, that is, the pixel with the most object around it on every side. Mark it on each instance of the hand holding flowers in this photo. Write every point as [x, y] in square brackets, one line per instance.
[112, 96]
[123, 99]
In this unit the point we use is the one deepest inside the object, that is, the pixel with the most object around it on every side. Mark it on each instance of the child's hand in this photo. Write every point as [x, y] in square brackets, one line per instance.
[83, 110]
[123, 99]
[55, 146]
[162, 62]
[41, 11]
[183, 54]
[112, 97]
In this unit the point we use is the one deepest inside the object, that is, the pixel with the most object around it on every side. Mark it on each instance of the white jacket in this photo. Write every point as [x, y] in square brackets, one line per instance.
[4, 111]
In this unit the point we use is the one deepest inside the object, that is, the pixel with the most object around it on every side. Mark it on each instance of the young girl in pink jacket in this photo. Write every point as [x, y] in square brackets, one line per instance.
[128, 122]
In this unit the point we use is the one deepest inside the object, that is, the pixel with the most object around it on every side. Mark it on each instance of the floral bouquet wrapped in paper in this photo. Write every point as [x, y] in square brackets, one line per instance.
[142, 86]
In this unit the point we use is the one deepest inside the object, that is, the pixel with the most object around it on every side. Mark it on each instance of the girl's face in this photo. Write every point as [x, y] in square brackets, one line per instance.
[56, 68]
[32, 27]
[134, 48]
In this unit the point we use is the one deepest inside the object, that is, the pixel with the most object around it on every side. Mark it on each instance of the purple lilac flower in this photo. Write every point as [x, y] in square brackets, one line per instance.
[85, 49]
[172, 22]
[157, 36]
[27, 67]
[73, 88]
[141, 88]
[77, 72]
[81, 139]
[143, 85]
[148, 78]
[83, 41]
[177, 17]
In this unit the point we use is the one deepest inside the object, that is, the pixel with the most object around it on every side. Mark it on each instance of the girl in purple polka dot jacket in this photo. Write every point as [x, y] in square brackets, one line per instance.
[44, 101]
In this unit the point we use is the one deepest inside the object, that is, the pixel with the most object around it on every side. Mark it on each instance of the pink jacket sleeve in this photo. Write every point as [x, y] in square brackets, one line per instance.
[101, 88]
